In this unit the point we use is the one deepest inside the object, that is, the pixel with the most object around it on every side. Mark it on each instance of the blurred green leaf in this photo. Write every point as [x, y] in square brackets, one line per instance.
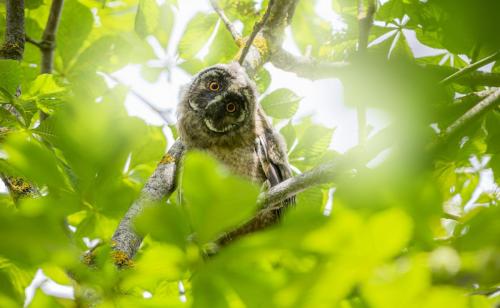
[216, 200]
[147, 18]
[281, 103]
[34, 161]
[10, 78]
[198, 31]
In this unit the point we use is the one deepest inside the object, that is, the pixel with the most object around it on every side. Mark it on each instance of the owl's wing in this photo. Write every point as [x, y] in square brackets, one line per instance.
[271, 150]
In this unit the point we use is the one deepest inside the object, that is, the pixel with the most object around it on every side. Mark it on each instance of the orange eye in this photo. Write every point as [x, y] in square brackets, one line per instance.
[214, 86]
[231, 107]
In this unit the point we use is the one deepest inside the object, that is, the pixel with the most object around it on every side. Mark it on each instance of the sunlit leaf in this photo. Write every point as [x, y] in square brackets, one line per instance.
[281, 104]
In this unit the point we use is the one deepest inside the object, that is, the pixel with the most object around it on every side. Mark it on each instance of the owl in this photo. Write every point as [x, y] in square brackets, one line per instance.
[218, 113]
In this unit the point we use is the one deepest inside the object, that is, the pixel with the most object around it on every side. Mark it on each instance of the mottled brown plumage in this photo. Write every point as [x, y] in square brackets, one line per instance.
[219, 113]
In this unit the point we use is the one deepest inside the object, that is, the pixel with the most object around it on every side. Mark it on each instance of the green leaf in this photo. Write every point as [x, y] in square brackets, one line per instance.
[33, 160]
[10, 77]
[198, 31]
[18, 277]
[44, 84]
[263, 80]
[70, 36]
[313, 142]
[389, 231]
[150, 147]
[391, 10]
[159, 262]
[222, 49]
[147, 17]
[193, 66]
[216, 200]
[167, 223]
[33, 4]
[281, 104]
[36, 225]
[308, 29]
[288, 132]
[166, 25]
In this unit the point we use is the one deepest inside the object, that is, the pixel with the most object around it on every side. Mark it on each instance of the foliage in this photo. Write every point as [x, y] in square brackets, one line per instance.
[387, 241]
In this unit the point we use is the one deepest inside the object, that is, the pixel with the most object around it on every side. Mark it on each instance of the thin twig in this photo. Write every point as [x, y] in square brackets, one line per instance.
[229, 25]
[451, 216]
[48, 42]
[32, 41]
[161, 113]
[256, 29]
[471, 67]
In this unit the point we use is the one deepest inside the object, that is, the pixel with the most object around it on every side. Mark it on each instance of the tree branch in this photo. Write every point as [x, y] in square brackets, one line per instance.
[161, 184]
[307, 67]
[48, 42]
[490, 102]
[256, 29]
[13, 46]
[271, 202]
[229, 25]
[470, 68]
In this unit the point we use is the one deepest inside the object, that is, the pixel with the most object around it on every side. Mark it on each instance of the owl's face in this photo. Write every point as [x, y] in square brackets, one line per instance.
[221, 102]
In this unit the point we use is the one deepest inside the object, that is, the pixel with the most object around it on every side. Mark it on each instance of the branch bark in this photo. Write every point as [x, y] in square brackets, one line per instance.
[161, 184]
[488, 103]
[471, 67]
[272, 201]
[307, 67]
[13, 46]
[48, 42]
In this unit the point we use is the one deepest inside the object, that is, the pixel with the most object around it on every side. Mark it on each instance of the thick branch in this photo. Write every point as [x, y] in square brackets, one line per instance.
[13, 47]
[48, 43]
[160, 185]
[229, 25]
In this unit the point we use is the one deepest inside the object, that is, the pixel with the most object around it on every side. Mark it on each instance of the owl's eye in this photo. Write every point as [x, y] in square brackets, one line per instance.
[214, 86]
[231, 107]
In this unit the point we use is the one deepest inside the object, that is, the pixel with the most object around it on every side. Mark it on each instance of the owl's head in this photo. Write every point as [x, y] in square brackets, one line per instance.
[218, 104]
